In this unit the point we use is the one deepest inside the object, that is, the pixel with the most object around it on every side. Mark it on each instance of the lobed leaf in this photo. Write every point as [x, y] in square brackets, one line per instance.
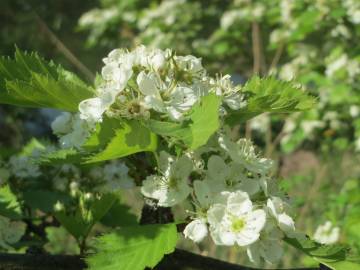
[112, 139]
[270, 95]
[204, 122]
[28, 80]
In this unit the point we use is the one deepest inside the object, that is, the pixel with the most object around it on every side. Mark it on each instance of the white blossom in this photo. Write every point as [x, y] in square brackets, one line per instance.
[171, 186]
[23, 167]
[277, 209]
[327, 233]
[269, 246]
[196, 230]
[235, 221]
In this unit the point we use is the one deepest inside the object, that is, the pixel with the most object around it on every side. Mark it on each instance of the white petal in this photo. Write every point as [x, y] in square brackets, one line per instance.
[147, 84]
[217, 169]
[196, 230]
[255, 221]
[239, 203]
[154, 103]
[245, 238]
[151, 188]
[62, 123]
[182, 167]
[202, 193]
[253, 252]
[174, 196]
[271, 251]
[286, 224]
[216, 214]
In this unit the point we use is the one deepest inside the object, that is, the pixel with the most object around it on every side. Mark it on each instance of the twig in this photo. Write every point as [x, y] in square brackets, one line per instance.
[276, 58]
[63, 49]
[180, 259]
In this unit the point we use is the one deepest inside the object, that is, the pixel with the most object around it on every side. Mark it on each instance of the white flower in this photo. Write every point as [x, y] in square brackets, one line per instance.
[78, 135]
[268, 246]
[229, 177]
[327, 234]
[171, 187]
[182, 99]
[243, 152]
[71, 129]
[157, 97]
[196, 230]
[62, 124]
[235, 221]
[23, 167]
[277, 208]
[203, 195]
[92, 109]
[189, 63]
[117, 177]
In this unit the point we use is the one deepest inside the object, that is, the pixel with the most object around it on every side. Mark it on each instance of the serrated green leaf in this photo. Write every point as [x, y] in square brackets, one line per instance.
[336, 257]
[9, 205]
[87, 213]
[30, 81]
[204, 121]
[270, 95]
[119, 215]
[112, 139]
[134, 248]
[130, 138]
[44, 200]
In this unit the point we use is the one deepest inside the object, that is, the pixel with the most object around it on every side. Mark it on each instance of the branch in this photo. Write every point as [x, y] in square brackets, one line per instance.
[40, 262]
[180, 259]
[63, 49]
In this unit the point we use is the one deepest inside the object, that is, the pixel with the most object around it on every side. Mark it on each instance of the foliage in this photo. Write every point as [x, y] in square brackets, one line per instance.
[135, 247]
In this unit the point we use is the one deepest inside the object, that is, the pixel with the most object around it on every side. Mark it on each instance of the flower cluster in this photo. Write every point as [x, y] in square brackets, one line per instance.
[145, 83]
[236, 201]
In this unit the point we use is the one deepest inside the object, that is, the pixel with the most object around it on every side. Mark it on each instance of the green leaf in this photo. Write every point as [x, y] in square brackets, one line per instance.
[30, 81]
[44, 200]
[87, 213]
[119, 215]
[336, 257]
[204, 122]
[112, 139]
[9, 205]
[134, 248]
[270, 95]
[129, 138]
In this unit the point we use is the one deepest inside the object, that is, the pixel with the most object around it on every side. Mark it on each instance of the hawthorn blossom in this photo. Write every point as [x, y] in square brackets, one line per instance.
[171, 186]
[235, 220]
[277, 209]
[327, 233]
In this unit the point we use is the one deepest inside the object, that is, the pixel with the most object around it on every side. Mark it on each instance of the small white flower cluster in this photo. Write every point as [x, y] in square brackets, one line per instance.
[112, 177]
[23, 167]
[235, 198]
[72, 130]
[327, 233]
[145, 83]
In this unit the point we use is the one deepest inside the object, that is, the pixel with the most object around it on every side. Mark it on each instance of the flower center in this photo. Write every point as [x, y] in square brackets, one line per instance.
[237, 225]
[173, 183]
